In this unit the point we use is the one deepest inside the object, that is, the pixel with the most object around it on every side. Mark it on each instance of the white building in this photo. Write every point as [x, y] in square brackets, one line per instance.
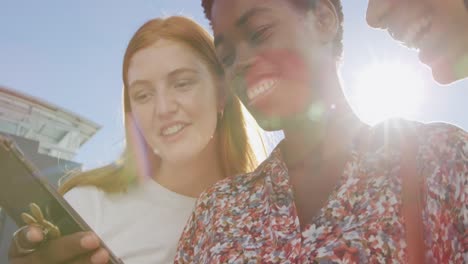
[59, 132]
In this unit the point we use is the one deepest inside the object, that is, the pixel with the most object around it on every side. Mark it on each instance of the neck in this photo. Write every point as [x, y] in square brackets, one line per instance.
[191, 177]
[328, 135]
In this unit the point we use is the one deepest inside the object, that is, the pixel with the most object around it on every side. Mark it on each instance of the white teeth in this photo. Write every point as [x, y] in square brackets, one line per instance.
[172, 130]
[415, 30]
[260, 88]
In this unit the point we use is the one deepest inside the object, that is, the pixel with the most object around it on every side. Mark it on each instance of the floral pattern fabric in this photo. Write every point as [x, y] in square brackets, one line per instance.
[252, 218]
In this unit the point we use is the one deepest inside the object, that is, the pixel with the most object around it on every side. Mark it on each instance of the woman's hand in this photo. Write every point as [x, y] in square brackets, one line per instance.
[78, 248]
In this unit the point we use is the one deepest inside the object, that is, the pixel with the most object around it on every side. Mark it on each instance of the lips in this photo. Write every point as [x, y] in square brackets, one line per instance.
[260, 89]
[172, 129]
[276, 84]
[417, 31]
[415, 27]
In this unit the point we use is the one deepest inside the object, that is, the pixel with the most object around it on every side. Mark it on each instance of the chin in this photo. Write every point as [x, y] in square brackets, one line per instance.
[281, 123]
[180, 159]
[178, 156]
[269, 126]
[448, 72]
[280, 119]
[269, 123]
[443, 77]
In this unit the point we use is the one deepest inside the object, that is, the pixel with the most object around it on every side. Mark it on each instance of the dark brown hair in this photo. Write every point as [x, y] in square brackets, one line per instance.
[302, 5]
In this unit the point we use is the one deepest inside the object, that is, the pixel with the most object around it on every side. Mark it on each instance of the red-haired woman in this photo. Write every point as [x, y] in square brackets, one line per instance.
[185, 131]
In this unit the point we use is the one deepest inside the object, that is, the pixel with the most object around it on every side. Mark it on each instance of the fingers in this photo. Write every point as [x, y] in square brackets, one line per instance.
[37, 218]
[59, 250]
[28, 237]
[5, 142]
[100, 256]
[31, 236]
[69, 247]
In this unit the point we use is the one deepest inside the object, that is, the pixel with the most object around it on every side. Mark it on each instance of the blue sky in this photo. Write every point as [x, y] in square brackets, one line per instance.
[69, 53]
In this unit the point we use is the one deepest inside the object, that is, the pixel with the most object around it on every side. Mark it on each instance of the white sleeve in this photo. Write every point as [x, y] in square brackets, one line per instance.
[87, 202]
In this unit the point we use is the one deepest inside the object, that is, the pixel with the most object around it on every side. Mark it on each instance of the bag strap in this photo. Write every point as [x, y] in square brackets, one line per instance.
[411, 199]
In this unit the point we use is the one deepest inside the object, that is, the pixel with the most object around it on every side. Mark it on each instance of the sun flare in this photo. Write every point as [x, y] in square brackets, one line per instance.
[387, 90]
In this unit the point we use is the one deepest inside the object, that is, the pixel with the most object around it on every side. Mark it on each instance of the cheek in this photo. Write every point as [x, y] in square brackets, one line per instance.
[143, 120]
[293, 89]
[202, 108]
[203, 116]
[296, 80]
[289, 65]
[292, 66]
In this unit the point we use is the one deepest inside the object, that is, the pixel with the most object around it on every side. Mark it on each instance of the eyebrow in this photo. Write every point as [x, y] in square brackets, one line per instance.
[137, 82]
[180, 71]
[249, 14]
[241, 22]
[171, 75]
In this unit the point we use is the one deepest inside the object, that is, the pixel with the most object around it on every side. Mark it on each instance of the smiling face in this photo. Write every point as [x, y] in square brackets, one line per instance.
[173, 98]
[437, 28]
[274, 56]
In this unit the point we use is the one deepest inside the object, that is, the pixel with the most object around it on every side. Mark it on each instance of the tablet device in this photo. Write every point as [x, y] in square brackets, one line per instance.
[21, 184]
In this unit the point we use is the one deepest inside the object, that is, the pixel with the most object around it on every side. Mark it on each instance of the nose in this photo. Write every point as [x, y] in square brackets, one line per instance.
[377, 11]
[165, 104]
[244, 61]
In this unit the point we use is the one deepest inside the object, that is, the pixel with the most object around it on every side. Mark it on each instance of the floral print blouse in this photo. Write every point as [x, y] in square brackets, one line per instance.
[252, 218]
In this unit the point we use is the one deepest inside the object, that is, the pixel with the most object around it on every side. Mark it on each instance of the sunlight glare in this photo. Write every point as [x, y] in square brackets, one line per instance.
[387, 90]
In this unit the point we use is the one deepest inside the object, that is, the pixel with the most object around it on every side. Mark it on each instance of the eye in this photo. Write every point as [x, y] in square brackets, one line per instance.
[142, 97]
[228, 59]
[184, 84]
[260, 34]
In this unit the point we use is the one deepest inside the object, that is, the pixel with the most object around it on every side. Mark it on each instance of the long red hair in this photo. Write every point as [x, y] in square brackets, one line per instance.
[236, 154]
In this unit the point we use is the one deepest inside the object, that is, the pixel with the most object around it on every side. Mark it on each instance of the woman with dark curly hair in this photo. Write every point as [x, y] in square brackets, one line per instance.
[334, 190]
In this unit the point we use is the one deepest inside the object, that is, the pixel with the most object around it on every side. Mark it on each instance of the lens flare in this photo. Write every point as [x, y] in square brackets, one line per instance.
[387, 90]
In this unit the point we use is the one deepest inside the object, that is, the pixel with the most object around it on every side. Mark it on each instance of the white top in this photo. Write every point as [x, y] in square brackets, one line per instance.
[140, 226]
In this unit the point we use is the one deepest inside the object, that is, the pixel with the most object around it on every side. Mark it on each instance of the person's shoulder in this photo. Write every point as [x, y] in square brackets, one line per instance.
[425, 133]
[436, 128]
[439, 132]
[84, 192]
[85, 189]
[436, 141]
[82, 197]
[396, 127]
[87, 202]
[443, 142]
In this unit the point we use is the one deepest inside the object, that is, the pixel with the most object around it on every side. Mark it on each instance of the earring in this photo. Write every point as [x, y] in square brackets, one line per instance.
[155, 151]
[221, 114]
